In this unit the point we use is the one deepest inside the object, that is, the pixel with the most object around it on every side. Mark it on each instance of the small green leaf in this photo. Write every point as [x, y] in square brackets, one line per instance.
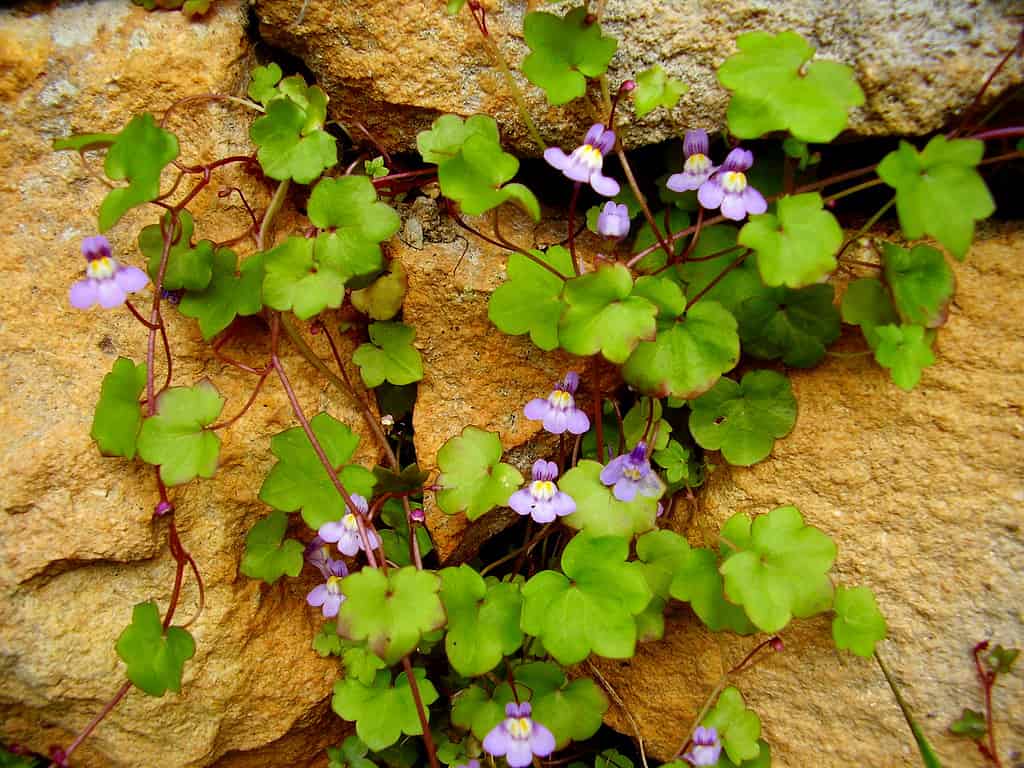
[612, 758]
[795, 325]
[777, 87]
[289, 148]
[905, 350]
[176, 438]
[138, 154]
[970, 724]
[263, 83]
[763, 759]
[351, 754]
[688, 357]
[382, 299]
[472, 476]
[326, 642]
[268, 555]
[598, 512]
[349, 204]
[564, 51]
[476, 178]
[383, 712]
[390, 611]
[118, 416]
[360, 663]
[390, 356]
[921, 282]
[602, 316]
[293, 280]
[679, 462]
[530, 300]
[662, 553]
[155, 657]
[797, 245]
[858, 624]
[483, 620]
[867, 303]
[696, 580]
[298, 481]
[939, 191]
[744, 420]
[656, 89]
[233, 292]
[591, 607]
[448, 133]
[188, 266]
[782, 571]
[572, 711]
[634, 425]
[739, 728]
[479, 711]
[1000, 660]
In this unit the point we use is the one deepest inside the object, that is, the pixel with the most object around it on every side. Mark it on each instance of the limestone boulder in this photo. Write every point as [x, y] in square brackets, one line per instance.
[399, 66]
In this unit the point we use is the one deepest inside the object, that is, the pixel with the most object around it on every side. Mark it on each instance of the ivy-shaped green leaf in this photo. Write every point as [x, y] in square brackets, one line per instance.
[858, 624]
[738, 727]
[118, 416]
[867, 303]
[905, 350]
[763, 759]
[795, 325]
[234, 291]
[390, 355]
[598, 512]
[939, 191]
[590, 607]
[294, 280]
[971, 724]
[292, 145]
[681, 465]
[188, 266]
[298, 481]
[476, 178]
[921, 283]
[448, 133]
[473, 478]
[383, 712]
[349, 205]
[688, 357]
[351, 754]
[268, 555]
[155, 657]
[744, 420]
[695, 580]
[263, 83]
[564, 51]
[797, 245]
[602, 316]
[781, 570]
[777, 87]
[654, 88]
[390, 611]
[530, 299]
[382, 299]
[176, 437]
[483, 620]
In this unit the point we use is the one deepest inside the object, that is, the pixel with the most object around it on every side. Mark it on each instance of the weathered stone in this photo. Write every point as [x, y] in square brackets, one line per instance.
[78, 547]
[924, 495]
[398, 66]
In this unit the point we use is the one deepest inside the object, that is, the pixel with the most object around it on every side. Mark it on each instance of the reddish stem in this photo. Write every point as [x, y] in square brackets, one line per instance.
[988, 681]
[61, 761]
[414, 688]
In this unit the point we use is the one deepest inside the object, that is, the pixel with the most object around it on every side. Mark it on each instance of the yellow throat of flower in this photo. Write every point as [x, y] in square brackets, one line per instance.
[520, 727]
[101, 269]
[734, 181]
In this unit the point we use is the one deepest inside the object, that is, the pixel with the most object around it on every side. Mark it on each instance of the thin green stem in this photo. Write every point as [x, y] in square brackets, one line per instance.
[266, 227]
[867, 225]
[735, 263]
[853, 190]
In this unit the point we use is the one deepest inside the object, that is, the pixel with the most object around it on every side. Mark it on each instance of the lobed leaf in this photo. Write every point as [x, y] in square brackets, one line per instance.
[188, 266]
[564, 51]
[796, 325]
[858, 624]
[233, 291]
[118, 416]
[176, 438]
[598, 512]
[530, 299]
[155, 656]
[921, 283]
[383, 712]
[473, 478]
[267, 554]
[390, 356]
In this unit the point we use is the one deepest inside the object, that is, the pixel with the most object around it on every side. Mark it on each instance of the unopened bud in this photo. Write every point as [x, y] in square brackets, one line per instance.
[776, 644]
[163, 508]
[627, 86]
[416, 515]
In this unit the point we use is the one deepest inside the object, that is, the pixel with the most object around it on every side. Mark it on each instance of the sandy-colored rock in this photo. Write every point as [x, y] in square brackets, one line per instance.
[397, 66]
[924, 494]
[78, 547]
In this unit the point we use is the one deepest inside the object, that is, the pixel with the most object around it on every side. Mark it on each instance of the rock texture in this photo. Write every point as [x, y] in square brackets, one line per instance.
[924, 494]
[78, 547]
[920, 63]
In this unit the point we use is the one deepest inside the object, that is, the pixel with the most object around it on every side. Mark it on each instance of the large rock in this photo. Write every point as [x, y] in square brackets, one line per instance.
[399, 65]
[923, 493]
[78, 547]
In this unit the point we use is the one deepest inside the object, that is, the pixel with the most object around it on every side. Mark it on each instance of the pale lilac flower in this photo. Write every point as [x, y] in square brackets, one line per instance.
[541, 499]
[106, 282]
[585, 162]
[558, 411]
[318, 554]
[327, 596]
[698, 167]
[706, 749]
[631, 473]
[518, 737]
[613, 221]
[345, 532]
[729, 189]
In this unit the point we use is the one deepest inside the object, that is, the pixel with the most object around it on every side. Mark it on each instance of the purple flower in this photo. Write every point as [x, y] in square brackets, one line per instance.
[106, 281]
[585, 162]
[729, 189]
[698, 168]
[328, 595]
[518, 737]
[706, 748]
[613, 221]
[541, 499]
[345, 532]
[631, 473]
[559, 412]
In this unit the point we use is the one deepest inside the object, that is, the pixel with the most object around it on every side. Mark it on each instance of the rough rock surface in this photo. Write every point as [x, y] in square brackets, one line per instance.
[78, 547]
[920, 63]
[924, 494]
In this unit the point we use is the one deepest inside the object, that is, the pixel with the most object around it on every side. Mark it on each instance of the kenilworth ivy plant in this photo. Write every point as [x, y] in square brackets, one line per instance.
[479, 657]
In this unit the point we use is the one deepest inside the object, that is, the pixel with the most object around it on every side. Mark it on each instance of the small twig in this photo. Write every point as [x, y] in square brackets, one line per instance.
[622, 705]
[735, 263]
